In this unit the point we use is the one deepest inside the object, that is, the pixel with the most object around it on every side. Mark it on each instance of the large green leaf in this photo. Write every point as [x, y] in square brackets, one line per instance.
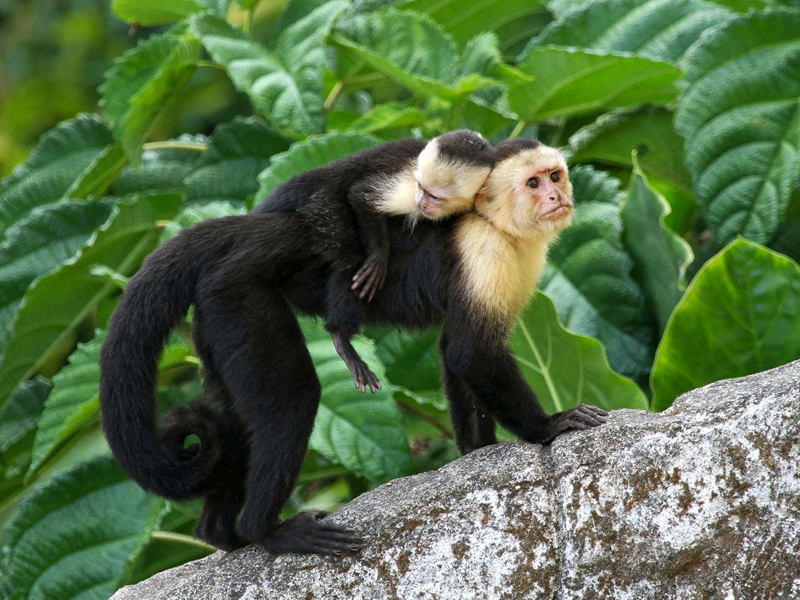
[411, 359]
[161, 168]
[567, 369]
[228, 171]
[76, 537]
[740, 315]
[740, 115]
[661, 29]
[22, 413]
[513, 20]
[285, 85]
[64, 156]
[389, 120]
[648, 130]
[39, 243]
[142, 82]
[574, 82]
[410, 49]
[156, 12]
[660, 257]
[73, 402]
[311, 153]
[589, 277]
[56, 304]
[363, 432]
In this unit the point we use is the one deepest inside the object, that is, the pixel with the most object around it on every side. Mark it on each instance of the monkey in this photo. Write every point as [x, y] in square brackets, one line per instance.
[247, 275]
[347, 202]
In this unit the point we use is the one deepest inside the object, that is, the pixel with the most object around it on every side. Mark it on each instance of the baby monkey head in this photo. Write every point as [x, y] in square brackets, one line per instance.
[528, 193]
[451, 169]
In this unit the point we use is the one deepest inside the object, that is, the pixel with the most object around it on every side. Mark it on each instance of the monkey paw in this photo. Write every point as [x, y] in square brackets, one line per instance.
[305, 533]
[581, 417]
[371, 275]
[363, 377]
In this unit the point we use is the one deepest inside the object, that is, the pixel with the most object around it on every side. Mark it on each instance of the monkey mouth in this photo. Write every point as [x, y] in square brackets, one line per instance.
[559, 212]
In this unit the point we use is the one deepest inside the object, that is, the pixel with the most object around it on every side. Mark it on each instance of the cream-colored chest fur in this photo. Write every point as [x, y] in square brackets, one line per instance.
[501, 271]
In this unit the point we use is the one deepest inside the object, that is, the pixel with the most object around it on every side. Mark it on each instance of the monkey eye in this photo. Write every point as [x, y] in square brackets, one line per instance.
[533, 182]
[554, 176]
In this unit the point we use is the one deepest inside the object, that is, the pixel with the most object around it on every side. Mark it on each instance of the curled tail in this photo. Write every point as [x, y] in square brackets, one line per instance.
[154, 301]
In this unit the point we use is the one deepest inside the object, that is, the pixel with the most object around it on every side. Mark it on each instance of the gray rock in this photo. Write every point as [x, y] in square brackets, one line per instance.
[702, 501]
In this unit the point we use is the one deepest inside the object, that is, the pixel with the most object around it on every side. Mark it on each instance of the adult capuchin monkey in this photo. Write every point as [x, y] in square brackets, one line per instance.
[346, 204]
[473, 274]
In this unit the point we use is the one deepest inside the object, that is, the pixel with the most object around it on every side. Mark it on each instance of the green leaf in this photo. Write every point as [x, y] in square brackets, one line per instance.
[410, 49]
[652, 28]
[155, 12]
[75, 537]
[285, 85]
[787, 241]
[660, 257]
[161, 168]
[648, 130]
[296, 10]
[363, 432]
[572, 82]
[311, 153]
[740, 115]
[512, 20]
[589, 277]
[39, 243]
[72, 404]
[412, 362]
[56, 304]
[100, 174]
[567, 369]
[389, 120]
[141, 84]
[228, 170]
[60, 160]
[192, 215]
[22, 413]
[740, 315]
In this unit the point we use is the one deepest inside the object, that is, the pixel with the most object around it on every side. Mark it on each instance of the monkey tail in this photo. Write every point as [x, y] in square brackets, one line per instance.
[154, 301]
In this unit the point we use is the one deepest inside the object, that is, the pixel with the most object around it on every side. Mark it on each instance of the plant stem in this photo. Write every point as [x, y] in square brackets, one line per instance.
[518, 129]
[176, 145]
[180, 538]
[330, 101]
[559, 131]
[323, 474]
[414, 409]
[207, 64]
[248, 20]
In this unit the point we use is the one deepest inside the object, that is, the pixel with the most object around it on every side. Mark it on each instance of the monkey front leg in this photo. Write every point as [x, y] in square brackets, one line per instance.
[375, 237]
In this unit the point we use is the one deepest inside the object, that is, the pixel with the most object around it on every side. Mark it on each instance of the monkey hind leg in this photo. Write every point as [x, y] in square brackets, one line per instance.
[261, 356]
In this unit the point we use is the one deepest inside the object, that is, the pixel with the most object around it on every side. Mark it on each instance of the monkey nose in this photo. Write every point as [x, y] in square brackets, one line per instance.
[422, 199]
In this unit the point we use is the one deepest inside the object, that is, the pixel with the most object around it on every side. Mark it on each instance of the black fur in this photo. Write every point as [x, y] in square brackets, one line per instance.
[244, 275]
[466, 147]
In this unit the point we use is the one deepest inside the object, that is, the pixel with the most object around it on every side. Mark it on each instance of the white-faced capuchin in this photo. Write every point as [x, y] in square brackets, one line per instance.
[346, 204]
[246, 276]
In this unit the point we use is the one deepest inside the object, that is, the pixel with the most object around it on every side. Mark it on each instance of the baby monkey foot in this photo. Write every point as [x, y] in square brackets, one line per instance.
[580, 417]
[304, 533]
[371, 275]
[362, 375]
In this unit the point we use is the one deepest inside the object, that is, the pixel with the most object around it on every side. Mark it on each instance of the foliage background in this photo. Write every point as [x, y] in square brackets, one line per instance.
[681, 119]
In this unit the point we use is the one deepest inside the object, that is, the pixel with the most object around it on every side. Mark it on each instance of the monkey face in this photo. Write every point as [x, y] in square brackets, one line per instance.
[529, 193]
[446, 187]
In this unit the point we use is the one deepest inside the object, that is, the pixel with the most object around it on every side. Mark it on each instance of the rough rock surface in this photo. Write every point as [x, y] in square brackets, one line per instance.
[702, 501]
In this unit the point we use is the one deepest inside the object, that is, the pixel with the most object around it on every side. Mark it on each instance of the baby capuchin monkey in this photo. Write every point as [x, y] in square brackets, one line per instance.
[347, 203]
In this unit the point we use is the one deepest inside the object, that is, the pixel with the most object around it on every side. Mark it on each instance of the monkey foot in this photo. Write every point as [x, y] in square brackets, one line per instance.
[362, 375]
[304, 533]
[581, 417]
[372, 275]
